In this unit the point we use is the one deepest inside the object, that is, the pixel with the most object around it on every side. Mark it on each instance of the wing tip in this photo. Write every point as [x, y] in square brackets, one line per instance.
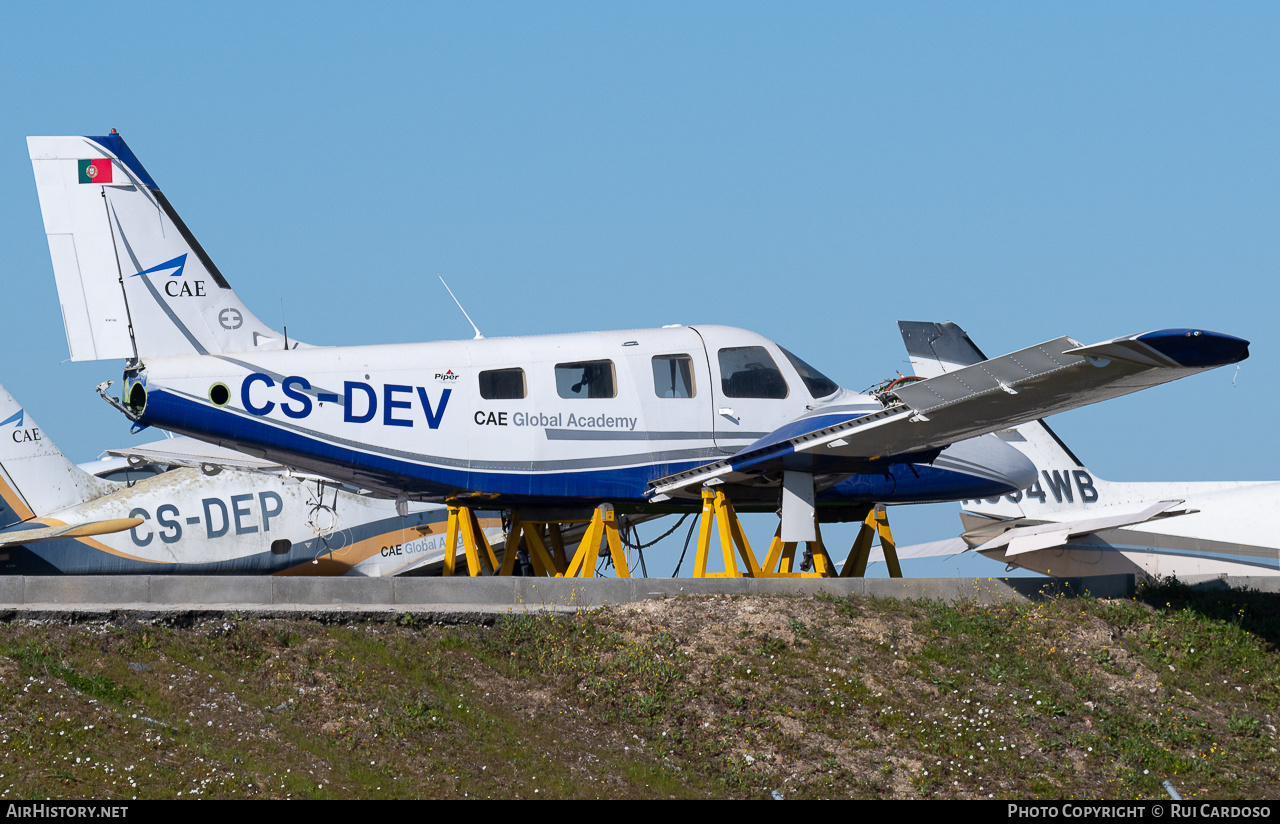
[1196, 348]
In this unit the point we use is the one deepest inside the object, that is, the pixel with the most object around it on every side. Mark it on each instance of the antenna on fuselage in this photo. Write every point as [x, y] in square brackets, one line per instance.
[464, 311]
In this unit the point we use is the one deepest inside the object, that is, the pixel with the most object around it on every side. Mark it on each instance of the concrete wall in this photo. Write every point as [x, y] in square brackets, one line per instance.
[496, 594]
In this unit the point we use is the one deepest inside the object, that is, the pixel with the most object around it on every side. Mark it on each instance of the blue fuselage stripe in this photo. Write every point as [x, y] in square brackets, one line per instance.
[899, 483]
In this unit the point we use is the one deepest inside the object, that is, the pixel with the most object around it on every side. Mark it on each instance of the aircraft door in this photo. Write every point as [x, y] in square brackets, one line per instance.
[671, 379]
[751, 395]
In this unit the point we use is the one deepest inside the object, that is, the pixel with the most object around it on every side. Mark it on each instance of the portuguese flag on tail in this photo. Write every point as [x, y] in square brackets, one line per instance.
[95, 171]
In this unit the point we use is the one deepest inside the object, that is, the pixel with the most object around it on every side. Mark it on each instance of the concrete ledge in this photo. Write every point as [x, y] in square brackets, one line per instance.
[364, 591]
[11, 589]
[430, 591]
[498, 595]
[192, 589]
[85, 589]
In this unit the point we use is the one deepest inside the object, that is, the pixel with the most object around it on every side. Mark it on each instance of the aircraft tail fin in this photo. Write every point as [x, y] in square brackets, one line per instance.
[1064, 482]
[938, 348]
[132, 280]
[35, 477]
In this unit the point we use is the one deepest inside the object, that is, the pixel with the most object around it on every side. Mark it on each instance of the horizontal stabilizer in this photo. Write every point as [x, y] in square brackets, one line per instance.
[933, 549]
[1043, 536]
[32, 533]
[974, 400]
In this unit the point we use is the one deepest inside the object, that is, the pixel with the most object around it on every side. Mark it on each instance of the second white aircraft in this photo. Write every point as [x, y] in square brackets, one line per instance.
[1069, 522]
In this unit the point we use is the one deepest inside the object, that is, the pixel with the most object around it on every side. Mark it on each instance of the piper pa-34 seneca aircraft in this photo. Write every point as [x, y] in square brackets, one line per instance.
[638, 419]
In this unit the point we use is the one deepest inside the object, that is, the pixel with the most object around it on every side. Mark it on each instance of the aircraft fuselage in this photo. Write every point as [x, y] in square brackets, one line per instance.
[585, 416]
[235, 523]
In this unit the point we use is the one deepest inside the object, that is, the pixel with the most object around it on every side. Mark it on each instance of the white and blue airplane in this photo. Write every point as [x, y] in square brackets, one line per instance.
[641, 419]
[179, 507]
[1069, 522]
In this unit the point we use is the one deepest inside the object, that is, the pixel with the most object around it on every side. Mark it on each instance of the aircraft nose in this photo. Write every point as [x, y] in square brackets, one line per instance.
[992, 458]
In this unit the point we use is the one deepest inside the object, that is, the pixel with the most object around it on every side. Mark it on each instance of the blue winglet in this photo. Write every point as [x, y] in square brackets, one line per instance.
[1197, 348]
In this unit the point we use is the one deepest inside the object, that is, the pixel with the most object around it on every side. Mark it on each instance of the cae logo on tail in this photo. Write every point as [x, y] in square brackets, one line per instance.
[21, 435]
[194, 289]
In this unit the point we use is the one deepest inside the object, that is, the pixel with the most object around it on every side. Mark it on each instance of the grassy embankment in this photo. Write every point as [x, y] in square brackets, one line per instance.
[694, 697]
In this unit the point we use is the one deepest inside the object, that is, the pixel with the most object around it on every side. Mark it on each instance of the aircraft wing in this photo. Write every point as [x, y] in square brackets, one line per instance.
[1055, 533]
[974, 400]
[191, 452]
[34, 533]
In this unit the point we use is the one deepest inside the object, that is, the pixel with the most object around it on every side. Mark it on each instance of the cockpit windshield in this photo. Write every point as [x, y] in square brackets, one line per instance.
[818, 384]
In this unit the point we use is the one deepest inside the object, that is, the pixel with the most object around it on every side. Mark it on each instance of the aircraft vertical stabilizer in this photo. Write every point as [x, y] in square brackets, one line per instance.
[938, 348]
[132, 280]
[35, 477]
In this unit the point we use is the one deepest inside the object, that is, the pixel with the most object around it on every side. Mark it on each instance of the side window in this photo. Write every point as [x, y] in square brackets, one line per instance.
[502, 384]
[749, 372]
[673, 376]
[586, 379]
[132, 474]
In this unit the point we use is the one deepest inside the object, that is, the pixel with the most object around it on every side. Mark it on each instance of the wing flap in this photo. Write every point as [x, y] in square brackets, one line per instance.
[190, 452]
[1039, 540]
[998, 375]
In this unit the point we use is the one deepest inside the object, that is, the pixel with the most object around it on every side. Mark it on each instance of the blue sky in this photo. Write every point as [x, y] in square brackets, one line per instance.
[813, 172]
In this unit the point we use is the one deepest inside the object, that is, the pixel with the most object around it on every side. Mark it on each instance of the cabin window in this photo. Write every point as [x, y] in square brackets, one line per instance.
[502, 384]
[749, 372]
[673, 376]
[818, 384]
[586, 379]
[130, 474]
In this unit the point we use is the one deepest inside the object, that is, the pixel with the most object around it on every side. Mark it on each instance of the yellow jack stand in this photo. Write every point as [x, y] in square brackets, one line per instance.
[603, 525]
[546, 550]
[877, 521]
[557, 546]
[546, 563]
[716, 507]
[480, 557]
[782, 558]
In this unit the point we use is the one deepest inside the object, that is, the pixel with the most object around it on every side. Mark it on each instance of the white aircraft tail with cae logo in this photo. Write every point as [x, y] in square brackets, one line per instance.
[132, 280]
[35, 477]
